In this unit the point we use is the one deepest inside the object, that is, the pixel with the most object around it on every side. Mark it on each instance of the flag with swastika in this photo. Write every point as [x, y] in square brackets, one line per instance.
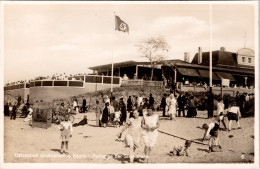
[120, 25]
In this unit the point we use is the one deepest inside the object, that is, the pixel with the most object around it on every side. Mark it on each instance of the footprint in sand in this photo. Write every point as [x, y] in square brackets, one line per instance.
[86, 136]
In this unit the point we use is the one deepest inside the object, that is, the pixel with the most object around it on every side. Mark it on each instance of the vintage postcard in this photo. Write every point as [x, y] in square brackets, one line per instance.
[129, 84]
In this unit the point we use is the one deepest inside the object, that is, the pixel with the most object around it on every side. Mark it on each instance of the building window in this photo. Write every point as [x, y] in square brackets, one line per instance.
[243, 59]
[249, 60]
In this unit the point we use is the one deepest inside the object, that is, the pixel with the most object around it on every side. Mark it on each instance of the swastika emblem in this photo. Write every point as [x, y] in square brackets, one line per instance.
[122, 26]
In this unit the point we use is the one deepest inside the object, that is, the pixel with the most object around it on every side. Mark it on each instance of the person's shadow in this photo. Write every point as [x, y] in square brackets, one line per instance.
[205, 150]
[56, 150]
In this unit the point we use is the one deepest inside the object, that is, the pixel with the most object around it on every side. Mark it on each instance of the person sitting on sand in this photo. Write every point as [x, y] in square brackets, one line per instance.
[83, 122]
[132, 138]
[210, 130]
[181, 150]
[233, 114]
[66, 132]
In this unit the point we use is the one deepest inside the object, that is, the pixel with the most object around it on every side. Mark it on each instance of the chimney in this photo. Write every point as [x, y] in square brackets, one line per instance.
[199, 55]
[187, 57]
[222, 48]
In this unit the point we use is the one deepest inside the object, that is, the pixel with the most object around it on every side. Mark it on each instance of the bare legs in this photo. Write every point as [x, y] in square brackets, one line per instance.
[62, 147]
[147, 151]
[66, 144]
[230, 123]
[223, 122]
[132, 153]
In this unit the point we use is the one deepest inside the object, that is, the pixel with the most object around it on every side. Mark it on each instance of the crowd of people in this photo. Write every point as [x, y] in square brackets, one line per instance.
[137, 116]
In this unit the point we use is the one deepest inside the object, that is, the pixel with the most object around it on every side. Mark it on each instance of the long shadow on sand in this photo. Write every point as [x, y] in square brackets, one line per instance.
[205, 150]
[93, 125]
[56, 150]
[198, 117]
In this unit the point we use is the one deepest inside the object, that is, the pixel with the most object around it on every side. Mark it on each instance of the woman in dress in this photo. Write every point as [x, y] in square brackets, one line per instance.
[172, 107]
[133, 135]
[150, 124]
[105, 115]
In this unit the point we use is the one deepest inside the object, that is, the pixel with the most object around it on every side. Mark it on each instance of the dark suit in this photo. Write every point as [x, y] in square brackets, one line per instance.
[163, 104]
[84, 105]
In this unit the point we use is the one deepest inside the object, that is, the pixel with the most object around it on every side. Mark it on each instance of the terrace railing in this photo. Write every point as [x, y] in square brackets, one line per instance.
[82, 80]
[140, 82]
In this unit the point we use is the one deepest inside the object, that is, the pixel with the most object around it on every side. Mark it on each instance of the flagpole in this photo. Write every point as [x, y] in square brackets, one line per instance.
[112, 71]
[210, 98]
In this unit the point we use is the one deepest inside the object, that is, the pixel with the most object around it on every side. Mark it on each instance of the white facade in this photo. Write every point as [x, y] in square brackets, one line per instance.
[246, 56]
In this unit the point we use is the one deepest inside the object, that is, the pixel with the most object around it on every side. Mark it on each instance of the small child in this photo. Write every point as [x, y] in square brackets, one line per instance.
[211, 132]
[117, 118]
[66, 132]
[181, 150]
[214, 143]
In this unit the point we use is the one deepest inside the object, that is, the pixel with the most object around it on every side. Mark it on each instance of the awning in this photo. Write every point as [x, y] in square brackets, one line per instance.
[188, 72]
[225, 75]
[242, 75]
[205, 74]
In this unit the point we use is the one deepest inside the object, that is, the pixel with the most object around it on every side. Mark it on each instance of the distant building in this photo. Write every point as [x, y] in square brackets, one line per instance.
[131, 68]
[238, 67]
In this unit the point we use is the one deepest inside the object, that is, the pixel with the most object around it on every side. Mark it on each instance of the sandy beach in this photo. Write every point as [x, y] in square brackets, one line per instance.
[90, 144]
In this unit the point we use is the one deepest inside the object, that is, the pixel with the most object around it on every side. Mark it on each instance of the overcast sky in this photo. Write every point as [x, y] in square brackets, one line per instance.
[44, 39]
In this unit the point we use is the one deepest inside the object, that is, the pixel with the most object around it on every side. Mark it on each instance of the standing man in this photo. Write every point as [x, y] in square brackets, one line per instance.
[84, 105]
[19, 99]
[6, 109]
[114, 103]
[181, 103]
[13, 115]
[151, 101]
[129, 107]
[163, 104]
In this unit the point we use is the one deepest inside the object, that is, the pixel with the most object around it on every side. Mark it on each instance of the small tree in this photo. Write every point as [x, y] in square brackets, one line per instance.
[154, 49]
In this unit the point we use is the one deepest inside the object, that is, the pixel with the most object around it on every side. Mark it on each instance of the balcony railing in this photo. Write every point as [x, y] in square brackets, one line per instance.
[140, 82]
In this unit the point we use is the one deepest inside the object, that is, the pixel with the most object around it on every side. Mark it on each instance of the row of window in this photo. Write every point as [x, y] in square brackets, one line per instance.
[244, 59]
[88, 79]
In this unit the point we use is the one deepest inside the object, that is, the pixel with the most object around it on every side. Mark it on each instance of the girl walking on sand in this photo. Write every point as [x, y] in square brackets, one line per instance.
[134, 132]
[150, 124]
[66, 132]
